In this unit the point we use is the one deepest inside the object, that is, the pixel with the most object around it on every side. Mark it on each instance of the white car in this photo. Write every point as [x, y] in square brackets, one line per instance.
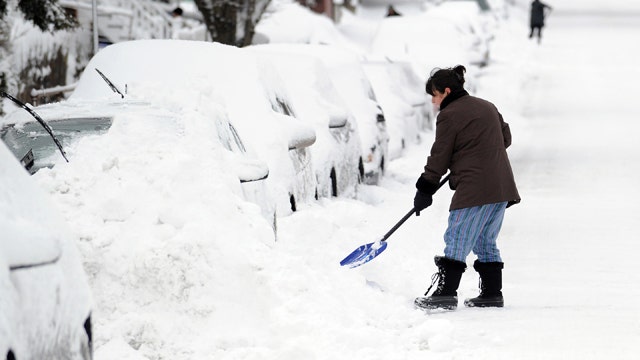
[336, 153]
[473, 23]
[353, 86]
[45, 301]
[427, 41]
[253, 98]
[165, 119]
[397, 89]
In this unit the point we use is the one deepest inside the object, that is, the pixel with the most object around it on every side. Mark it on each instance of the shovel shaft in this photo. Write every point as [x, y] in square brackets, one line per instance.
[396, 226]
[410, 213]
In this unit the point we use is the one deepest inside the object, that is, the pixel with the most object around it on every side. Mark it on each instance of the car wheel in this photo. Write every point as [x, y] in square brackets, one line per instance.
[292, 200]
[334, 182]
[87, 347]
[275, 225]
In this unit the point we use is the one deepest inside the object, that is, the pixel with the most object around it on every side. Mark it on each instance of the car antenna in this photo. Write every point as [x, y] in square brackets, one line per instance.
[111, 85]
[37, 117]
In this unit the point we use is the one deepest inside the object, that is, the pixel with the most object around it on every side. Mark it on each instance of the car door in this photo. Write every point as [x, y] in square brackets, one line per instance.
[44, 296]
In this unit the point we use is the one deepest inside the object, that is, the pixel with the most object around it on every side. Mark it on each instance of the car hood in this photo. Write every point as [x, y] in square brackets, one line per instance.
[71, 109]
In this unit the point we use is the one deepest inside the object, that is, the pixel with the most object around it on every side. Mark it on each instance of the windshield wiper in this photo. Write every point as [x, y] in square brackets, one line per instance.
[39, 119]
[111, 85]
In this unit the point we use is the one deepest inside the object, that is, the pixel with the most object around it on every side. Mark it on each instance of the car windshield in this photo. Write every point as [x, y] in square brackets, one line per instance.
[21, 139]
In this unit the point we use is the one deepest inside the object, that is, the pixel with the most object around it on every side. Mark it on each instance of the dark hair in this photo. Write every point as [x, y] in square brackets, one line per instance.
[177, 11]
[440, 79]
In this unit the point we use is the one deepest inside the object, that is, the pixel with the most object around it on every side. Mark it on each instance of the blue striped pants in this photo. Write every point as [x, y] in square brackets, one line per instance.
[475, 228]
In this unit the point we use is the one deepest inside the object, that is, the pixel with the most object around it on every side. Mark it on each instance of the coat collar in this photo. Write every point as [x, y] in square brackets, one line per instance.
[454, 95]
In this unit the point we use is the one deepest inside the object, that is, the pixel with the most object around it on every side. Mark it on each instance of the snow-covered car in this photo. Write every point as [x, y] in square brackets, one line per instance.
[397, 89]
[412, 84]
[291, 22]
[472, 22]
[336, 153]
[352, 85]
[269, 123]
[75, 121]
[253, 97]
[428, 41]
[181, 118]
[191, 73]
[45, 300]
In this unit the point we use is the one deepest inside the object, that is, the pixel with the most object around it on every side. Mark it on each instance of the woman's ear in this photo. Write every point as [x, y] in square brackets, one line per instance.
[447, 91]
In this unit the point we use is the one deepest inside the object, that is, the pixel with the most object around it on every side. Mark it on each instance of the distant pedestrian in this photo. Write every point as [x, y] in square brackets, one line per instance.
[471, 143]
[391, 11]
[539, 12]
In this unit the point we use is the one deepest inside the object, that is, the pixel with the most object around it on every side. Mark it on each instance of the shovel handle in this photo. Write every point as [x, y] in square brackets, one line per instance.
[396, 226]
[410, 213]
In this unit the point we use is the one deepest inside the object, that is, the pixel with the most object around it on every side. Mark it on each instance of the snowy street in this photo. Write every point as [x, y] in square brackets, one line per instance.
[577, 174]
[180, 267]
[572, 285]
[570, 291]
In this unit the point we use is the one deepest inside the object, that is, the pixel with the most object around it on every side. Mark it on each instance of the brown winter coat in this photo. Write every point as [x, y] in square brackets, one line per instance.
[471, 141]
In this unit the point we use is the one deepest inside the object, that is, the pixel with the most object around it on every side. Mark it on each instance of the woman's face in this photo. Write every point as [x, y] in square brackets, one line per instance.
[437, 97]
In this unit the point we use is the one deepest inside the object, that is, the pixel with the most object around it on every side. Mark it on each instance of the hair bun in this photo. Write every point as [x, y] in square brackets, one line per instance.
[460, 70]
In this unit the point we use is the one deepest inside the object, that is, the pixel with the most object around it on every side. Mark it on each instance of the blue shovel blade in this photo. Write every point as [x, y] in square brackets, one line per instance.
[364, 254]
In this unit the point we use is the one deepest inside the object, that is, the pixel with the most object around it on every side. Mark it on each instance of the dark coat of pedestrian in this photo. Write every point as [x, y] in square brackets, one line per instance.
[539, 12]
[471, 141]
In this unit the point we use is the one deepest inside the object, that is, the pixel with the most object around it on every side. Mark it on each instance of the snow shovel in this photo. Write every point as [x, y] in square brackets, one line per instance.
[367, 252]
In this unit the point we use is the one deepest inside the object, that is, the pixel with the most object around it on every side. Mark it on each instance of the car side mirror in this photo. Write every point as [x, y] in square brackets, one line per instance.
[250, 170]
[301, 141]
[299, 134]
[337, 121]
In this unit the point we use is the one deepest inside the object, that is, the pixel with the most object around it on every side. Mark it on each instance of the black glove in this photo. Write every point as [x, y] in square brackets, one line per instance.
[421, 201]
[424, 195]
[426, 187]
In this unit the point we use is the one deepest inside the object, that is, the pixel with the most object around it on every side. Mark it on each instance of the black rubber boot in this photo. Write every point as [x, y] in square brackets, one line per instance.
[490, 285]
[448, 277]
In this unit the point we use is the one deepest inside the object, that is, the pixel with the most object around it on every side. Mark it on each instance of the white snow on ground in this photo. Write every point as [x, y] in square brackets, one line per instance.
[570, 278]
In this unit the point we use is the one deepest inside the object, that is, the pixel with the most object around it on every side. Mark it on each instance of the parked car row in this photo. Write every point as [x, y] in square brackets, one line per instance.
[303, 120]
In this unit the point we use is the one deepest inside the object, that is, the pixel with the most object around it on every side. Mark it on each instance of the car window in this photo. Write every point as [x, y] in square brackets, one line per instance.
[31, 136]
[282, 106]
[229, 137]
[370, 93]
[236, 138]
